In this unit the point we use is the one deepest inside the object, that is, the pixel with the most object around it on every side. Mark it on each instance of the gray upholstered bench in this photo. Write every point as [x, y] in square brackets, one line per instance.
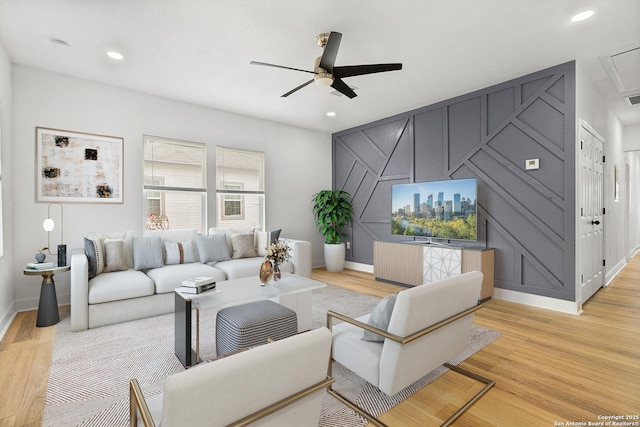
[251, 324]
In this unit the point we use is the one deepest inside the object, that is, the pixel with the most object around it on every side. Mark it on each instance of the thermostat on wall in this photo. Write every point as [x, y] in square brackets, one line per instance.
[532, 164]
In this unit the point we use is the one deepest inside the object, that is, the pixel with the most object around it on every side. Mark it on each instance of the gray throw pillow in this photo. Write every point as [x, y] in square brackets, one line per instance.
[212, 247]
[96, 263]
[147, 252]
[114, 255]
[274, 236]
[380, 317]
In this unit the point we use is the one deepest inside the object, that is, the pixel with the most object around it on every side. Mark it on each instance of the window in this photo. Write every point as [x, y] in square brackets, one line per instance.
[175, 184]
[239, 188]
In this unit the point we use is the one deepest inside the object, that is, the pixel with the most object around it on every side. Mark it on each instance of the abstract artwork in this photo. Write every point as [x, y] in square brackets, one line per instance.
[78, 167]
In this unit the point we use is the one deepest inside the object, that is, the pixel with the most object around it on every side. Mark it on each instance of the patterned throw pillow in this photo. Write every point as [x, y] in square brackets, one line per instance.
[93, 250]
[243, 246]
[114, 259]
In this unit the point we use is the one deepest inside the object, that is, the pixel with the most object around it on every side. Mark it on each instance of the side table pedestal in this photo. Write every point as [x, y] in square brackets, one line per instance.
[48, 305]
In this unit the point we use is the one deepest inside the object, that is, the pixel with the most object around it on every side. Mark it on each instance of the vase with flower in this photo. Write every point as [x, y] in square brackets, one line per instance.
[277, 253]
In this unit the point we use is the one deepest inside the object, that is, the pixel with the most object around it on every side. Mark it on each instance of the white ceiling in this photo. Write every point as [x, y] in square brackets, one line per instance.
[198, 51]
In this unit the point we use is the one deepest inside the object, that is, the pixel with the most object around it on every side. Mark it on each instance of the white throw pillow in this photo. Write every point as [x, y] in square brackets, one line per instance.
[179, 253]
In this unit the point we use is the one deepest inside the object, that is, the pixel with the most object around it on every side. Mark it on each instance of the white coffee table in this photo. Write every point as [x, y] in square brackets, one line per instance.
[291, 290]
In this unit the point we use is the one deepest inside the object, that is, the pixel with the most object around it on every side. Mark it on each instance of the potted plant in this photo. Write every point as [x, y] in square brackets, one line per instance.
[332, 210]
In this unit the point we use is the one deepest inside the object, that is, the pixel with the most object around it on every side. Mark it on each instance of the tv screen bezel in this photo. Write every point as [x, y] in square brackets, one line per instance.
[431, 184]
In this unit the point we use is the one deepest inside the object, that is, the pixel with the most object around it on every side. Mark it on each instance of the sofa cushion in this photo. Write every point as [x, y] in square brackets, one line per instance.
[175, 235]
[179, 253]
[170, 277]
[247, 267]
[243, 246]
[119, 285]
[147, 252]
[114, 255]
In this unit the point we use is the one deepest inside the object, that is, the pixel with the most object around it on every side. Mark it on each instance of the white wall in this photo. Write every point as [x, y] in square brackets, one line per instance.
[298, 161]
[6, 261]
[633, 205]
[631, 138]
[592, 108]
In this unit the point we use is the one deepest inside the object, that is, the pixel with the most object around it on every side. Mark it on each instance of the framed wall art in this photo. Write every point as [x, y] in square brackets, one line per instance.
[74, 167]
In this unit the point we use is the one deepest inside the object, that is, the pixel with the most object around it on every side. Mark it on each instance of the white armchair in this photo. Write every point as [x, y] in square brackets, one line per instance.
[429, 325]
[277, 384]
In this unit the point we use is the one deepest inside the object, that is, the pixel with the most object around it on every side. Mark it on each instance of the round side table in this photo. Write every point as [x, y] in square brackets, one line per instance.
[48, 306]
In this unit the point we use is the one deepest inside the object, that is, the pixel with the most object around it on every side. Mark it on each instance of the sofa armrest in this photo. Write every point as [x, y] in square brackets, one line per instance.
[300, 256]
[79, 290]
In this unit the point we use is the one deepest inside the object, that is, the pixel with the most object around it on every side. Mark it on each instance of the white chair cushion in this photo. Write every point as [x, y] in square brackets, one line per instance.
[170, 277]
[356, 354]
[119, 285]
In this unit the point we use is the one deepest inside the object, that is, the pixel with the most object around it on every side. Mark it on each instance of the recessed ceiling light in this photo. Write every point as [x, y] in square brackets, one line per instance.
[115, 55]
[582, 16]
[331, 114]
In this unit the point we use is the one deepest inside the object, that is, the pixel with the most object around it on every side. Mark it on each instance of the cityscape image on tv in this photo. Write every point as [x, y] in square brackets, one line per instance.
[438, 209]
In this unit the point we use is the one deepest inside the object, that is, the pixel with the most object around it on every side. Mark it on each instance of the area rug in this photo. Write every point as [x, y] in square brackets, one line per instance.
[90, 370]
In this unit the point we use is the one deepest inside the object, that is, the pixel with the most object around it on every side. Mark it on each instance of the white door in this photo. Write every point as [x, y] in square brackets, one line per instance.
[591, 204]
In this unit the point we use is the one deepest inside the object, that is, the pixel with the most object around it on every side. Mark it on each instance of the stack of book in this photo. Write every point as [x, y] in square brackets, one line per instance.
[39, 265]
[197, 285]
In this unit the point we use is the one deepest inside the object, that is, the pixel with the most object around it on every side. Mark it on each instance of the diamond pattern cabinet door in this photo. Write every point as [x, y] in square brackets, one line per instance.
[440, 263]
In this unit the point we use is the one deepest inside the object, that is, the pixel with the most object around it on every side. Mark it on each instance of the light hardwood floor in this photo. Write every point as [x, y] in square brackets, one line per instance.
[550, 368]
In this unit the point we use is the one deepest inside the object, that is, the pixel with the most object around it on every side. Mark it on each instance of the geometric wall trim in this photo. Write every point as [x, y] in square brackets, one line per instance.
[527, 216]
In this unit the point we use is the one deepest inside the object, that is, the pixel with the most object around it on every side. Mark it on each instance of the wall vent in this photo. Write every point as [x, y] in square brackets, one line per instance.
[633, 99]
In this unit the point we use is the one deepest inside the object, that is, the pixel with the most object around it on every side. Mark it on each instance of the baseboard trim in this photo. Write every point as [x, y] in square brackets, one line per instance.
[570, 307]
[6, 320]
[611, 274]
[359, 266]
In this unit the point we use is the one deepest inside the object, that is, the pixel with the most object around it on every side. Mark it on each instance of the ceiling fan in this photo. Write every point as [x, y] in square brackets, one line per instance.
[326, 74]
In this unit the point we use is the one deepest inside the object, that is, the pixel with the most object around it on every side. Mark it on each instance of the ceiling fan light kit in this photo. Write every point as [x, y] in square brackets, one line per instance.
[326, 74]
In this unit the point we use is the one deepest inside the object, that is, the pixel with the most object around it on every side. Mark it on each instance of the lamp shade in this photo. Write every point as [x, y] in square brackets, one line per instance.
[48, 224]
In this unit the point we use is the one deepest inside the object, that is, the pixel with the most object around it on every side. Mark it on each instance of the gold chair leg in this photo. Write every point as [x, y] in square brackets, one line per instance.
[373, 420]
[488, 384]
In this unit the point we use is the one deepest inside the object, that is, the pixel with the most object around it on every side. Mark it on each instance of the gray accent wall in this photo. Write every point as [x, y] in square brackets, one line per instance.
[527, 216]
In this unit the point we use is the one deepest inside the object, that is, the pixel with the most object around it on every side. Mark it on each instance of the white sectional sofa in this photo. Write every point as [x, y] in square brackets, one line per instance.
[118, 277]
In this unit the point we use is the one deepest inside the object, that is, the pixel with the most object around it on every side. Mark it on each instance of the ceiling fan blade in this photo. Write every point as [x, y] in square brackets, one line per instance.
[343, 88]
[359, 70]
[330, 51]
[296, 89]
[279, 66]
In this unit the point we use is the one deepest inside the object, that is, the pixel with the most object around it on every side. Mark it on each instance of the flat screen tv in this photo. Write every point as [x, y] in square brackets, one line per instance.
[435, 209]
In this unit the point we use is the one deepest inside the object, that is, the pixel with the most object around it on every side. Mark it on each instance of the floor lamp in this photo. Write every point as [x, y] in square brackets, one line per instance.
[48, 226]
